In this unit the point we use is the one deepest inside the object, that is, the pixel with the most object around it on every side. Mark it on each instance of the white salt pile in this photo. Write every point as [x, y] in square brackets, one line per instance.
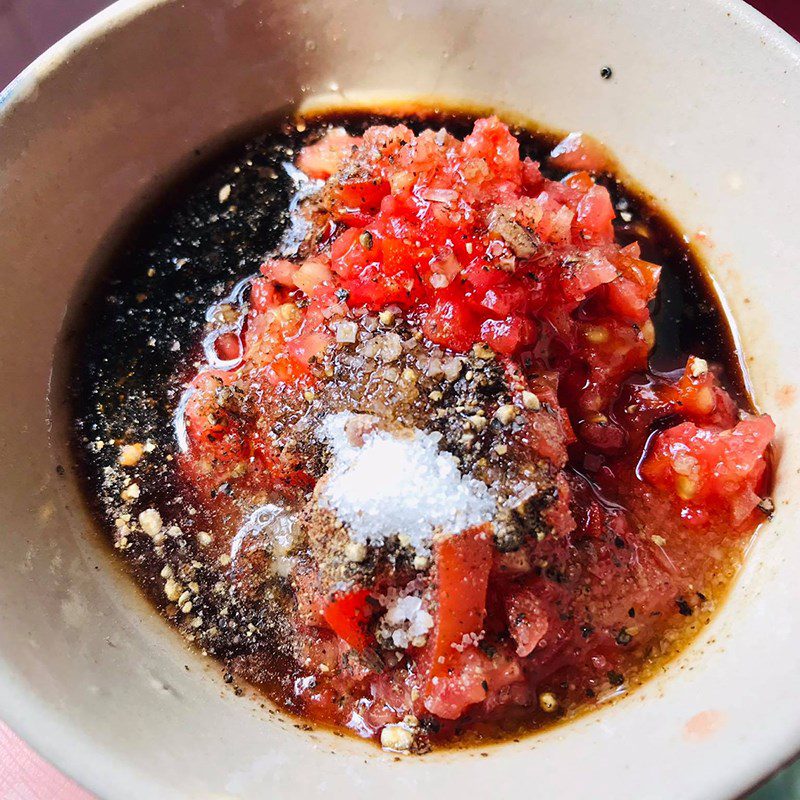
[399, 486]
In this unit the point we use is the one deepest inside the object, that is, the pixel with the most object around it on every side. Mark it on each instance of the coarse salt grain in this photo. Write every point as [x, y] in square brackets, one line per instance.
[399, 485]
[406, 620]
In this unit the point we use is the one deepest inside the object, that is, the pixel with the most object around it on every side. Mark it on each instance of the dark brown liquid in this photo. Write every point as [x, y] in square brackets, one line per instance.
[146, 315]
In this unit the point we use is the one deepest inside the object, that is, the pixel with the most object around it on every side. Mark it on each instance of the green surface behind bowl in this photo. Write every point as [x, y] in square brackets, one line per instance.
[784, 786]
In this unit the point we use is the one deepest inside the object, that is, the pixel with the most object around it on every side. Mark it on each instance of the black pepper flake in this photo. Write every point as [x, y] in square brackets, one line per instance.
[631, 612]
[766, 507]
[487, 648]
[701, 597]
[684, 608]
[623, 637]
[606, 73]
[342, 295]
[227, 677]
[430, 724]
[586, 631]
[619, 542]
[615, 678]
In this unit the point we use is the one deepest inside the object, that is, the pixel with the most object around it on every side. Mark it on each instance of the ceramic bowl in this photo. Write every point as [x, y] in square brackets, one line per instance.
[702, 109]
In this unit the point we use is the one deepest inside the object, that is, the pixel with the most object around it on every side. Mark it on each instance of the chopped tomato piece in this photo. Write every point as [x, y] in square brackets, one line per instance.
[322, 159]
[578, 151]
[463, 563]
[506, 336]
[308, 346]
[348, 616]
[228, 346]
[595, 214]
[360, 196]
[527, 617]
[279, 270]
[706, 469]
[473, 677]
[451, 323]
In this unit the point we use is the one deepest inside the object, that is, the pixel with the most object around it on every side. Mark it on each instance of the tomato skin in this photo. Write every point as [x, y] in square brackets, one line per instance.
[348, 615]
[463, 563]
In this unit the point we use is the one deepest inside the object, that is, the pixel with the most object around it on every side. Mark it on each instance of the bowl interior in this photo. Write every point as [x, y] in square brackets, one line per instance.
[702, 110]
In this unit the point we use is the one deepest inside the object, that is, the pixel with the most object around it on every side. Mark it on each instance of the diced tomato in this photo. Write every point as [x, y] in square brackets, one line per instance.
[492, 141]
[592, 270]
[640, 272]
[322, 159]
[362, 197]
[348, 615]
[309, 346]
[594, 215]
[262, 295]
[532, 178]
[228, 346]
[577, 151]
[463, 563]
[473, 677]
[451, 323]
[311, 275]
[527, 617]
[216, 437]
[279, 270]
[506, 336]
[706, 469]
[697, 396]
[604, 478]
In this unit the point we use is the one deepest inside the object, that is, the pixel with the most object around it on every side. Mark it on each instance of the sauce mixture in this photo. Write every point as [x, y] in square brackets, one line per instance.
[429, 428]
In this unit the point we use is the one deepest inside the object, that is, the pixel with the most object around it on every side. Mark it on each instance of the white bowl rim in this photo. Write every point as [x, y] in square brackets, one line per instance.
[52, 734]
